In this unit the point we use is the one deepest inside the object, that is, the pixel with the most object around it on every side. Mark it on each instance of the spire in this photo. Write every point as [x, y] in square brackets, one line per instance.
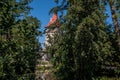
[52, 20]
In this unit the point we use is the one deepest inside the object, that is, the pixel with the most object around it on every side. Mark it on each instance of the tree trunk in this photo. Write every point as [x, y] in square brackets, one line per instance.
[115, 21]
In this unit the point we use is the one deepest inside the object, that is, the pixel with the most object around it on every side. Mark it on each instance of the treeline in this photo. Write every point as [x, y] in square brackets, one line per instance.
[18, 40]
[86, 46]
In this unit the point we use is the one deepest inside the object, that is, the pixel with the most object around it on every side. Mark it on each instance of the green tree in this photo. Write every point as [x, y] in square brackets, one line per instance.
[81, 45]
[115, 7]
[114, 32]
[18, 40]
[115, 38]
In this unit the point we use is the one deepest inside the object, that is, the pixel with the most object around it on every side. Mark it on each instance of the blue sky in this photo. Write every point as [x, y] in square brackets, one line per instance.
[41, 10]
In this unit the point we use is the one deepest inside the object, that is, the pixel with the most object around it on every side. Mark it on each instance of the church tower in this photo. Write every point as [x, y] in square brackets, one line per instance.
[51, 28]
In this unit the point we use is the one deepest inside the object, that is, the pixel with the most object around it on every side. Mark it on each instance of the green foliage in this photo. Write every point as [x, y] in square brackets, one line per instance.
[81, 46]
[18, 40]
[114, 36]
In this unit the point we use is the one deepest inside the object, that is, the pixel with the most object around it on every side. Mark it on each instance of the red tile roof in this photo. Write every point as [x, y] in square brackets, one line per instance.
[52, 20]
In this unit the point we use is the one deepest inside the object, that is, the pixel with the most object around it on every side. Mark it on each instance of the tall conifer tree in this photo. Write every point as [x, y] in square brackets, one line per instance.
[115, 38]
[81, 46]
[18, 40]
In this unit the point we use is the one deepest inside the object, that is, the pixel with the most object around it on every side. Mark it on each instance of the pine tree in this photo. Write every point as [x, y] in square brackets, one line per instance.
[114, 6]
[115, 37]
[82, 45]
[18, 40]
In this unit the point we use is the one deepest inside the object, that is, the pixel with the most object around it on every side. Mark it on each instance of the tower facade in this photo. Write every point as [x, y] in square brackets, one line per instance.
[51, 28]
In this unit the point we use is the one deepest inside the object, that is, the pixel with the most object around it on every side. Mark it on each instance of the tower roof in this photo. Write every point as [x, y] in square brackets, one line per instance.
[52, 20]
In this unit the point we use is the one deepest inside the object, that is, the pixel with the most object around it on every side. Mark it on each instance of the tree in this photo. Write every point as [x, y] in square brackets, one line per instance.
[114, 5]
[115, 8]
[18, 40]
[81, 46]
